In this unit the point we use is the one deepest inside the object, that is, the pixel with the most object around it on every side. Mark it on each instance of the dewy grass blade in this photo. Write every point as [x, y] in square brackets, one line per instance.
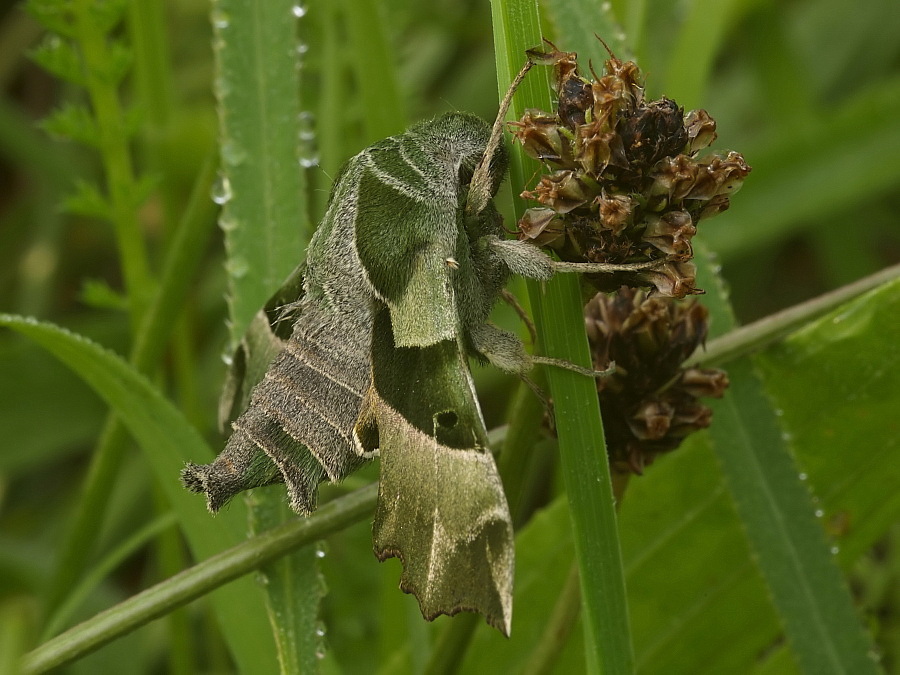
[558, 314]
[262, 182]
[775, 507]
[774, 504]
[265, 217]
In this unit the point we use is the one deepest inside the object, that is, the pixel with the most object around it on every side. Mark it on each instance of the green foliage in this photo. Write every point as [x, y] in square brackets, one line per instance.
[800, 459]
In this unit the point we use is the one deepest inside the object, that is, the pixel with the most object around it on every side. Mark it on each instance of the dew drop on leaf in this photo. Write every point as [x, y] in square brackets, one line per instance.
[221, 190]
[220, 19]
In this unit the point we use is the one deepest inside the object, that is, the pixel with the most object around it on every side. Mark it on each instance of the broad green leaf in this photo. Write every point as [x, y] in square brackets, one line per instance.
[168, 441]
[577, 24]
[839, 405]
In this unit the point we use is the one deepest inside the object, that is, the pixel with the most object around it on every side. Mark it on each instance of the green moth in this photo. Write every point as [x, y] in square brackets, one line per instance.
[397, 287]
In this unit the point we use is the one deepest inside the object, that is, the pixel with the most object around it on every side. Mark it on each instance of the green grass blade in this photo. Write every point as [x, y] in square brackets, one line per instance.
[262, 187]
[294, 588]
[558, 315]
[776, 509]
[266, 222]
[167, 441]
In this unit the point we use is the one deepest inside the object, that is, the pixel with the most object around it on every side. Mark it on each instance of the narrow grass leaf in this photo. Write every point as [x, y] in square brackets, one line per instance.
[262, 183]
[383, 109]
[776, 509]
[558, 315]
[789, 543]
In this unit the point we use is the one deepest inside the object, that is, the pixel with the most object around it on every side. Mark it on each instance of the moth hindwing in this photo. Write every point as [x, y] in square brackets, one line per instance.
[400, 278]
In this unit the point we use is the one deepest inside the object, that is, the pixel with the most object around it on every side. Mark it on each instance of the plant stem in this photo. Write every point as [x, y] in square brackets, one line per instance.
[199, 580]
[450, 650]
[559, 626]
[755, 336]
[116, 156]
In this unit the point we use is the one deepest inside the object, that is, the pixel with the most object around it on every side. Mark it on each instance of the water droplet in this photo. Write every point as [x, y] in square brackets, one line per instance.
[787, 436]
[779, 412]
[803, 476]
[220, 19]
[232, 153]
[302, 48]
[299, 11]
[320, 632]
[819, 513]
[237, 267]
[835, 550]
[221, 190]
[227, 359]
[320, 553]
[309, 162]
[262, 579]
[228, 223]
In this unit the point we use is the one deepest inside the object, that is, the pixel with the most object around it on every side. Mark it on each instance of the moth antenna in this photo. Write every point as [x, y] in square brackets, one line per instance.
[480, 190]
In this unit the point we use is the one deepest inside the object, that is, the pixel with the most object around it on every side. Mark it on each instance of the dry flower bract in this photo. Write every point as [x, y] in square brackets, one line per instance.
[628, 182]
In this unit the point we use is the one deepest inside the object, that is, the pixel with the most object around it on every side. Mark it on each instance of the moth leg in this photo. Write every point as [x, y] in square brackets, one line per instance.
[601, 268]
[513, 302]
[522, 258]
[575, 368]
[546, 403]
[501, 348]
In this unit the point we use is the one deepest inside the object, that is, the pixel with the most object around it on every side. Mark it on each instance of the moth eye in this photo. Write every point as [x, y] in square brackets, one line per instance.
[446, 419]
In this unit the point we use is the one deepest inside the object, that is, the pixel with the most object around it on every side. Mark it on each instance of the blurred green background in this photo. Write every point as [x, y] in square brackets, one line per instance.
[807, 90]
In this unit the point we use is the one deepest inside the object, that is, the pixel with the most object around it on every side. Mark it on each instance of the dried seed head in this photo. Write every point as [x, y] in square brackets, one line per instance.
[628, 183]
[650, 403]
